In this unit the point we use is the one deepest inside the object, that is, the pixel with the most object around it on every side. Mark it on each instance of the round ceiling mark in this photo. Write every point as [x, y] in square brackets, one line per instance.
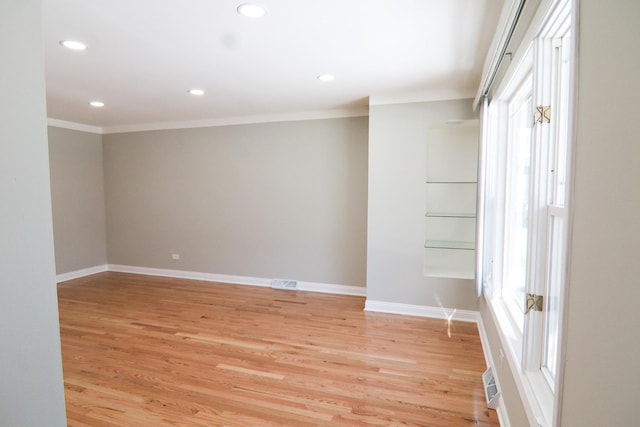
[73, 45]
[251, 10]
[326, 78]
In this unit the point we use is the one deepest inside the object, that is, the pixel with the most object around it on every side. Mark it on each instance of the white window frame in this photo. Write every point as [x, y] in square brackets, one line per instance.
[499, 132]
[525, 348]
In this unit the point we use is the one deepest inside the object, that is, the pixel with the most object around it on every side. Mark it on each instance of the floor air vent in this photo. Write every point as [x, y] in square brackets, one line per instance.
[290, 285]
[491, 389]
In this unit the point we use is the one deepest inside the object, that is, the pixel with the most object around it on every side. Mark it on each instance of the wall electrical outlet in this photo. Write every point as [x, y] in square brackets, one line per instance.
[175, 256]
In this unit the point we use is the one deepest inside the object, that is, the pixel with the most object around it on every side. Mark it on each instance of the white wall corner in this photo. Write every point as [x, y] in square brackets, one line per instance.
[421, 311]
[63, 277]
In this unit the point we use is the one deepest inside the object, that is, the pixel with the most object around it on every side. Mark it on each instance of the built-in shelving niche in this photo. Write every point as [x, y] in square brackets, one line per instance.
[451, 193]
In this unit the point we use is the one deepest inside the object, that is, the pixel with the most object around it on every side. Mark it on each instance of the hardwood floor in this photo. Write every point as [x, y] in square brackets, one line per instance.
[149, 351]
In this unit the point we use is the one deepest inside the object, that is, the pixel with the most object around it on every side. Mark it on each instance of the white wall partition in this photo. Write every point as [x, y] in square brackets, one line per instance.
[31, 387]
[602, 374]
[398, 141]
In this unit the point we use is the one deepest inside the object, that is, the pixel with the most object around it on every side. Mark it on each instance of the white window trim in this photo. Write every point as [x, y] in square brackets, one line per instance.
[532, 387]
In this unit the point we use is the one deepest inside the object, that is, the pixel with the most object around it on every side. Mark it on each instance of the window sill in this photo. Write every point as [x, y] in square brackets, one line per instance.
[532, 389]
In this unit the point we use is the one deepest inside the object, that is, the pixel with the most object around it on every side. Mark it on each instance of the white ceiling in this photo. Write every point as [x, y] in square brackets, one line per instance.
[144, 55]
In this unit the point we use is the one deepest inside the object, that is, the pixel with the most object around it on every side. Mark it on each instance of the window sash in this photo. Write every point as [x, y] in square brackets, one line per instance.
[517, 200]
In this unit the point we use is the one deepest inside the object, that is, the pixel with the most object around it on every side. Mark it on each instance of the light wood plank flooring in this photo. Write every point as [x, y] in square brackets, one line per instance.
[148, 351]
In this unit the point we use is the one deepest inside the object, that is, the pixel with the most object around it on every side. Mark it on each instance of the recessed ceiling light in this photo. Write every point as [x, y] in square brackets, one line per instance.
[73, 44]
[96, 104]
[251, 10]
[326, 78]
[197, 92]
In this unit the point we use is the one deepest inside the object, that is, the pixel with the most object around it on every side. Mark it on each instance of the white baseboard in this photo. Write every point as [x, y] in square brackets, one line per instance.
[80, 273]
[484, 340]
[193, 275]
[238, 280]
[503, 418]
[327, 288]
[421, 311]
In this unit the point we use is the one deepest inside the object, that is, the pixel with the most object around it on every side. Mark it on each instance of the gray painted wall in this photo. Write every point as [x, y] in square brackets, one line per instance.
[77, 199]
[397, 203]
[276, 200]
[602, 376]
[31, 387]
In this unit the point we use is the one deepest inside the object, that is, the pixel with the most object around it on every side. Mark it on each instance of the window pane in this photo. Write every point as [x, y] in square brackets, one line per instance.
[563, 57]
[517, 200]
[556, 231]
[554, 285]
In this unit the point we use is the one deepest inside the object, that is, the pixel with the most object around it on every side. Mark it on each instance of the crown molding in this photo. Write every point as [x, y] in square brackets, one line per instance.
[414, 97]
[74, 126]
[241, 120]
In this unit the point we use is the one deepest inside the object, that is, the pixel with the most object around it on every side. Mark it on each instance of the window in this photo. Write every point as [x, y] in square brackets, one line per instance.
[518, 183]
[526, 191]
[557, 43]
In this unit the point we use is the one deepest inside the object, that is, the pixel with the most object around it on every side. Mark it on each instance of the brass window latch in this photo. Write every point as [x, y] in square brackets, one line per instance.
[542, 114]
[534, 302]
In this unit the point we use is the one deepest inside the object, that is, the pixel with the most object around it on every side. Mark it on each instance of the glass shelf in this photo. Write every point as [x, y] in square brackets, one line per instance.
[449, 244]
[453, 273]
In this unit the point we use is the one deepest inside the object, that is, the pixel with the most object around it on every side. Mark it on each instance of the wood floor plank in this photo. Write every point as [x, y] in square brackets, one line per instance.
[151, 351]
